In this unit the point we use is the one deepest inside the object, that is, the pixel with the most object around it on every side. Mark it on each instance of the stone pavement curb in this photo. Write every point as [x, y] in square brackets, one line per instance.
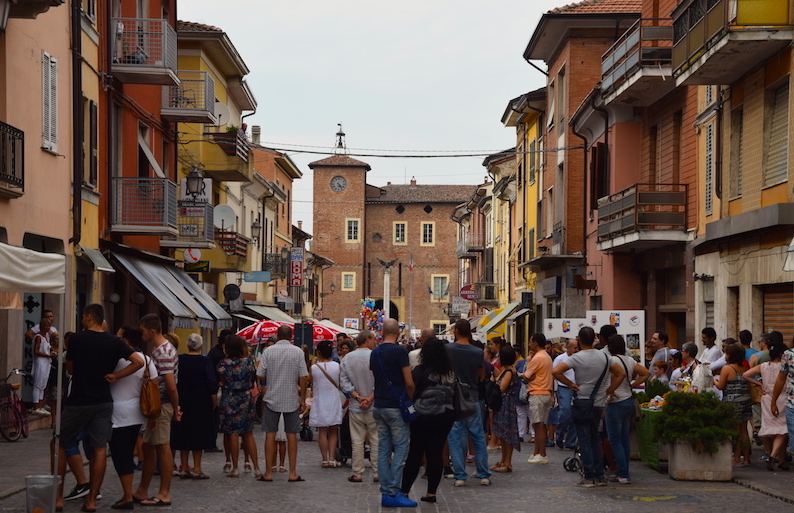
[763, 489]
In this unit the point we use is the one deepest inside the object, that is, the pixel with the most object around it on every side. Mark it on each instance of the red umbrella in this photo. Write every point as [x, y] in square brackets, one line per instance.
[320, 332]
[260, 331]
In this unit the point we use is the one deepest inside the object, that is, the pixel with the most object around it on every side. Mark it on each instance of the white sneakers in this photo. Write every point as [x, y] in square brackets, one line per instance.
[537, 458]
[41, 411]
[484, 481]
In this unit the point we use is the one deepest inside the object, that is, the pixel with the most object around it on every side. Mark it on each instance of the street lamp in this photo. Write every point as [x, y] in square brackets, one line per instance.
[256, 226]
[333, 289]
[195, 182]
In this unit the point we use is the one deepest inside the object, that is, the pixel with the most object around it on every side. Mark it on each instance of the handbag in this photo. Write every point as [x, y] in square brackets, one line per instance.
[493, 394]
[583, 410]
[346, 400]
[407, 408]
[462, 402]
[434, 400]
[150, 393]
[523, 392]
[638, 414]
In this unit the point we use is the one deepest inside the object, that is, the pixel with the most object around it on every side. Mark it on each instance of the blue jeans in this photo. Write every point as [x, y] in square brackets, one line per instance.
[790, 426]
[459, 443]
[566, 432]
[590, 446]
[618, 423]
[393, 442]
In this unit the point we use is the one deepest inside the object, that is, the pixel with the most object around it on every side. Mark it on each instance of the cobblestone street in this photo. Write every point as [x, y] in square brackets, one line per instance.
[547, 488]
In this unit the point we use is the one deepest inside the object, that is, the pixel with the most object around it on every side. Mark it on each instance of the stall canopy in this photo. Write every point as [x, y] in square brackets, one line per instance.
[222, 319]
[490, 323]
[185, 304]
[330, 324]
[270, 312]
[25, 270]
[97, 259]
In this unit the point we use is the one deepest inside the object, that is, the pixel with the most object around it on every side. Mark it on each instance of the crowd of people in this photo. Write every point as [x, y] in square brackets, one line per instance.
[366, 384]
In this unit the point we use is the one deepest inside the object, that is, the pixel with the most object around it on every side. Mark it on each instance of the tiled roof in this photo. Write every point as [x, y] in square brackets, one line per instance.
[599, 7]
[191, 26]
[339, 161]
[454, 194]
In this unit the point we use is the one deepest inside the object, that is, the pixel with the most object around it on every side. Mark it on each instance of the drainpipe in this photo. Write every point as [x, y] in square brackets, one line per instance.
[78, 122]
[108, 86]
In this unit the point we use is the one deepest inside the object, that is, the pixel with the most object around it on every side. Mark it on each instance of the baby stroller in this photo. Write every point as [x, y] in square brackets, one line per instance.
[344, 448]
[573, 463]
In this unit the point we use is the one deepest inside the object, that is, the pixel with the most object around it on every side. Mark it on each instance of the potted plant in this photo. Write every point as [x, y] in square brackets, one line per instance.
[698, 429]
[227, 141]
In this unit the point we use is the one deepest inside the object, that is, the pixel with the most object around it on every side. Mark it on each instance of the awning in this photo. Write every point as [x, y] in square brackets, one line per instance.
[498, 317]
[244, 317]
[518, 314]
[162, 285]
[25, 270]
[222, 318]
[333, 325]
[270, 312]
[97, 259]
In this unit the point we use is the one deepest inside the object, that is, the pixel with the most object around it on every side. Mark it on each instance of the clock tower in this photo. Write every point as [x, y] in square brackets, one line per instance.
[339, 227]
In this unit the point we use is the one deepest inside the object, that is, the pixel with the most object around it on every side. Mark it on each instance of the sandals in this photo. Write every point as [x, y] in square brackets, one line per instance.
[355, 479]
[503, 469]
[186, 474]
[227, 468]
[330, 464]
[247, 468]
[233, 473]
[200, 475]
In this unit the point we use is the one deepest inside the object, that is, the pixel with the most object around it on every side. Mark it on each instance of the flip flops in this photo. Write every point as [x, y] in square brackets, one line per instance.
[355, 479]
[297, 479]
[154, 501]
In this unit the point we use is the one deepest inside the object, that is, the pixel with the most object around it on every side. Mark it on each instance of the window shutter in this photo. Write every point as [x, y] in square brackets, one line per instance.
[709, 181]
[94, 143]
[49, 86]
[776, 169]
[532, 162]
[737, 123]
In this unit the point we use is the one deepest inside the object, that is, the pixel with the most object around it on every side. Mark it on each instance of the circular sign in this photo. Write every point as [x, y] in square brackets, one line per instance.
[231, 292]
[469, 293]
[192, 255]
[282, 293]
[224, 216]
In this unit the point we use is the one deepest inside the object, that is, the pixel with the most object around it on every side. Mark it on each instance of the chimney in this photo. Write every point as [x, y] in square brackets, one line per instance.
[300, 225]
[413, 181]
[388, 183]
[256, 132]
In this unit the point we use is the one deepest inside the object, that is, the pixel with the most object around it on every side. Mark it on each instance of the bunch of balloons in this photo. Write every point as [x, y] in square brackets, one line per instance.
[372, 319]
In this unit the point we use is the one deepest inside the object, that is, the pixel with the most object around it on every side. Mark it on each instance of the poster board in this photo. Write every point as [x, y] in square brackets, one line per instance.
[629, 323]
[351, 323]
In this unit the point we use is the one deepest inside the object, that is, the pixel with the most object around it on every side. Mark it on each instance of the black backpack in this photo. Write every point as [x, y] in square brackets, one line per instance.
[493, 394]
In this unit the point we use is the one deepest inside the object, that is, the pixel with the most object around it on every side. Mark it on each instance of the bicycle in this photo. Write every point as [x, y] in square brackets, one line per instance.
[13, 415]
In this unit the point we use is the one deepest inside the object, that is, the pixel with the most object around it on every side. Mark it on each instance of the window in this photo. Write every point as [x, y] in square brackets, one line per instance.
[90, 145]
[550, 98]
[776, 134]
[352, 230]
[737, 125]
[89, 9]
[440, 289]
[709, 180]
[531, 243]
[439, 326]
[49, 87]
[532, 161]
[348, 281]
[709, 101]
[561, 97]
[428, 234]
[399, 233]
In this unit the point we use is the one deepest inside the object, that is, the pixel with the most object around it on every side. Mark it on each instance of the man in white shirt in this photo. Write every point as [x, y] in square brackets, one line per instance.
[712, 353]
[566, 432]
[413, 356]
[358, 381]
[32, 332]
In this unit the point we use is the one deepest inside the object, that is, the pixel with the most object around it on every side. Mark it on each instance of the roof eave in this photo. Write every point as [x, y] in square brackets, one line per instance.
[536, 51]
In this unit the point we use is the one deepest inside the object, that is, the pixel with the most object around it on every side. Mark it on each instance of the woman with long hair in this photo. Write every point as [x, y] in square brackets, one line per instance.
[429, 432]
[236, 375]
[736, 391]
[505, 421]
[326, 414]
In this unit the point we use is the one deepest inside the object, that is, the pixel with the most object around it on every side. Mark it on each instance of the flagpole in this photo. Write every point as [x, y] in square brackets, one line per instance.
[411, 292]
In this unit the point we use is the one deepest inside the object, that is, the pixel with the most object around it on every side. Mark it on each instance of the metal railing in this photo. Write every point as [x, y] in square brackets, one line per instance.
[144, 42]
[12, 156]
[643, 206]
[275, 262]
[233, 243]
[194, 221]
[194, 96]
[648, 42]
[233, 144]
[558, 233]
[143, 204]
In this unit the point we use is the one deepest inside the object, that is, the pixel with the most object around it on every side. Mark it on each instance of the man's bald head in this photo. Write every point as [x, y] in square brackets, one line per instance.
[427, 333]
[391, 328]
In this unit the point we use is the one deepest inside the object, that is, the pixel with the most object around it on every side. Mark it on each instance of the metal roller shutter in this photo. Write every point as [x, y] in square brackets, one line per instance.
[777, 138]
[779, 309]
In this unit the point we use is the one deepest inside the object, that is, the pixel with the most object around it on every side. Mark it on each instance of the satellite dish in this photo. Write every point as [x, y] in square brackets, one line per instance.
[222, 114]
[224, 216]
[231, 292]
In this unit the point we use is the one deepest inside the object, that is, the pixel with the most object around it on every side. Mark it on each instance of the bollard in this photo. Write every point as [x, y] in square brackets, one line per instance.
[40, 493]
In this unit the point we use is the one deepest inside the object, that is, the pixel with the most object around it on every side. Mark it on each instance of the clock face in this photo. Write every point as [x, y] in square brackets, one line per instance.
[338, 183]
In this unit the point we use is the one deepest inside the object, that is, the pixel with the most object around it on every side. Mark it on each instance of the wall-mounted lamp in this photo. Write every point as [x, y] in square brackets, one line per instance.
[543, 249]
[256, 226]
[195, 182]
[703, 277]
[333, 289]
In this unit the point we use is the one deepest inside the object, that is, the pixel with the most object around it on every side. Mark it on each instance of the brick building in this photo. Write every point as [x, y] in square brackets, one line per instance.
[357, 224]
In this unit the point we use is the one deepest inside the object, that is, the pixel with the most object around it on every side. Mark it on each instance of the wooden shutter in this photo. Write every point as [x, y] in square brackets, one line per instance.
[93, 136]
[776, 169]
[737, 123]
[49, 87]
[779, 309]
[708, 201]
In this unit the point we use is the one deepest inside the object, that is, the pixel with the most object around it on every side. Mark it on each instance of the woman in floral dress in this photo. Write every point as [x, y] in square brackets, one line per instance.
[505, 421]
[236, 375]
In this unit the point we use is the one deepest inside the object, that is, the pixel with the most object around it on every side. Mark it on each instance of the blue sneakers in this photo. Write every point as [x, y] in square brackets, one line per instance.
[398, 501]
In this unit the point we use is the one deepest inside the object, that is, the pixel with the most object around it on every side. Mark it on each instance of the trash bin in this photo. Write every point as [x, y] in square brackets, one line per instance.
[41, 491]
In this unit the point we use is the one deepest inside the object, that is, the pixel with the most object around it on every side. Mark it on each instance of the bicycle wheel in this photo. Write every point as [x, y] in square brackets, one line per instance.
[10, 422]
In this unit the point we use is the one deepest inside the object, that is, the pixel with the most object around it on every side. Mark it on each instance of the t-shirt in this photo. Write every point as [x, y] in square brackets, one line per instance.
[393, 358]
[588, 365]
[711, 354]
[569, 373]
[623, 391]
[540, 367]
[787, 368]
[126, 394]
[466, 362]
[663, 355]
[93, 354]
[166, 360]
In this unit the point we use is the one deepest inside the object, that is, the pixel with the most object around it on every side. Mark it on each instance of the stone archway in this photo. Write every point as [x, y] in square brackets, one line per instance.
[394, 312]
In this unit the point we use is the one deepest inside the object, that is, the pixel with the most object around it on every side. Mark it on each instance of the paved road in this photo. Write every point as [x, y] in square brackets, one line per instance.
[532, 488]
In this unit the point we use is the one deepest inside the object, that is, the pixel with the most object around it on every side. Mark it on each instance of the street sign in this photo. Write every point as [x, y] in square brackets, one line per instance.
[469, 293]
[202, 266]
[296, 267]
[192, 255]
[460, 305]
[257, 276]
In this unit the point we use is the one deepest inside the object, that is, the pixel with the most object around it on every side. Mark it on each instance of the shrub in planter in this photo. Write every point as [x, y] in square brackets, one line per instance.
[699, 419]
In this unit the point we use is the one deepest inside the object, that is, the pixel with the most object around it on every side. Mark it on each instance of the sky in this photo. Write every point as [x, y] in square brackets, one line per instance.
[421, 75]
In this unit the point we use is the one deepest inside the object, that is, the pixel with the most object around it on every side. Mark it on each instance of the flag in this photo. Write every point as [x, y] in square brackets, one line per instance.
[411, 262]
[429, 290]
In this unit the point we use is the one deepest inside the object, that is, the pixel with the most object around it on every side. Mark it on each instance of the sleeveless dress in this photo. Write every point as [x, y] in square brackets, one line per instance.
[327, 400]
[771, 425]
[737, 392]
[236, 407]
[41, 368]
[505, 421]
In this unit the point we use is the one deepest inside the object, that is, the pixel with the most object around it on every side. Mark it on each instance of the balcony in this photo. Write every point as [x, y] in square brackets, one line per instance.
[719, 41]
[634, 71]
[12, 161]
[192, 101]
[487, 296]
[194, 224]
[144, 51]
[30, 8]
[228, 158]
[144, 206]
[274, 261]
[643, 216]
[232, 243]
[468, 246]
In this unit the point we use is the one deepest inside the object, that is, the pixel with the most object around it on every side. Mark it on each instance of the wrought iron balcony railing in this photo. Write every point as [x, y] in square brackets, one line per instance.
[12, 160]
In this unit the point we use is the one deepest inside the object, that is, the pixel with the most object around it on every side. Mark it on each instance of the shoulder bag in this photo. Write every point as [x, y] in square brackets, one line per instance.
[345, 400]
[150, 393]
[407, 408]
[493, 393]
[462, 402]
[583, 410]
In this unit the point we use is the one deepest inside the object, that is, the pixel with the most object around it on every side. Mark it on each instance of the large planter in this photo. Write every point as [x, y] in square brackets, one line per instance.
[687, 465]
